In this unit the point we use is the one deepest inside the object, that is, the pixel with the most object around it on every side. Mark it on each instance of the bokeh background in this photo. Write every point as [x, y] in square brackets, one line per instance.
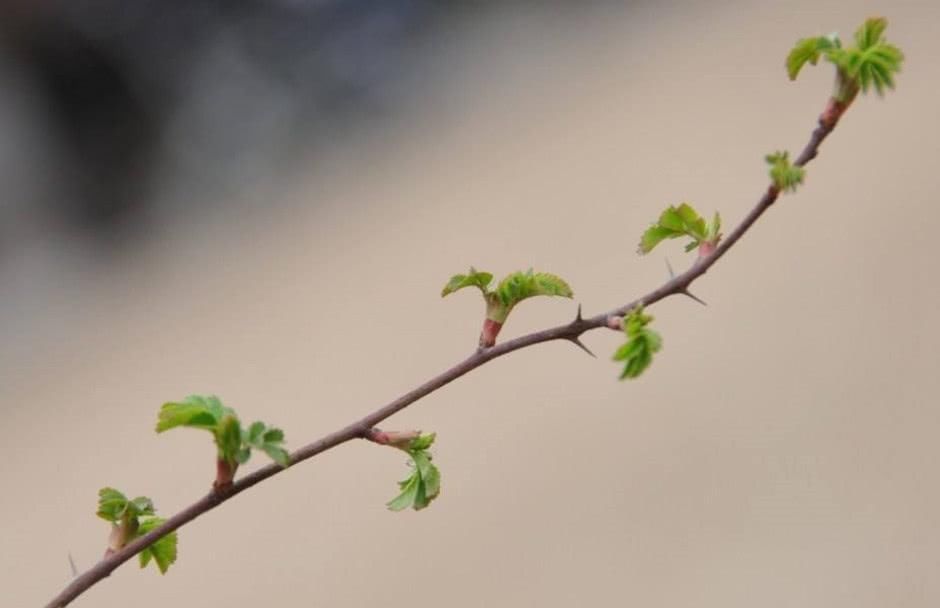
[263, 202]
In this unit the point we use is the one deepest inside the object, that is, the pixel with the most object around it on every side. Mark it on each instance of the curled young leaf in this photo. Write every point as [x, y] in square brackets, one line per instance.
[785, 176]
[808, 50]
[480, 280]
[680, 221]
[871, 63]
[424, 484]
[519, 286]
[642, 343]
[113, 506]
[233, 442]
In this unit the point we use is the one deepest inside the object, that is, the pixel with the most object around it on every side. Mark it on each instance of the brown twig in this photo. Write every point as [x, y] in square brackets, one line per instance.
[363, 428]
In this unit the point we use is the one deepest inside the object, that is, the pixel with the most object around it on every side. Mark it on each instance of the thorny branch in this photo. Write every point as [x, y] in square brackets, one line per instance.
[363, 428]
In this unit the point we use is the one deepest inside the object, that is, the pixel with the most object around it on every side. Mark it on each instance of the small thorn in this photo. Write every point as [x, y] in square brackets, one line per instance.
[72, 565]
[688, 293]
[580, 344]
[578, 318]
[672, 273]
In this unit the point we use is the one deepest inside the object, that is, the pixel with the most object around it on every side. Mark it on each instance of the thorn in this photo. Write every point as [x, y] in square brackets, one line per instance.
[72, 565]
[688, 293]
[578, 318]
[580, 344]
[672, 273]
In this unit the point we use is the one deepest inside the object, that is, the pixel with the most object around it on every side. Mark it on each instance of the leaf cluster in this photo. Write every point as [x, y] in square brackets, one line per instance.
[871, 63]
[135, 517]
[424, 483]
[642, 343]
[511, 290]
[234, 442]
[682, 221]
[785, 176]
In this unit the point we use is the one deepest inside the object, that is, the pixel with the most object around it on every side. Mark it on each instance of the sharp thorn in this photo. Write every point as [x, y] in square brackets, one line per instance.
[581, 345]
[578, 318]
[672, 273]
[688, 293]
[72, 565]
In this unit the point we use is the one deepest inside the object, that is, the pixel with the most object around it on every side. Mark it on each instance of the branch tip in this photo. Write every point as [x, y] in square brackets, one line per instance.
[395, 439]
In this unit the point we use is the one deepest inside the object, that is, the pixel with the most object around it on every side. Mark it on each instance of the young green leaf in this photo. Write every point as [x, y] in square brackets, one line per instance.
[113, 506]
[642, 343]
[519, 286]
[195, 411]
[808, 50]
[480, 280]
[268, 440]
[162, 552]
[233, 443]
[682, 221]
[127, 517]
[785, 177]
[424, 483]
[510, 291]
[871, 63]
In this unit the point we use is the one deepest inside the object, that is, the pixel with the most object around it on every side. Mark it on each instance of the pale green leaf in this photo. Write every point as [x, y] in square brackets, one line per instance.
[808, 50]
[195, 411]
[642, 342]
[163, 551]
[480, 280]
[111, 504]
[785, 176]
[519, 286]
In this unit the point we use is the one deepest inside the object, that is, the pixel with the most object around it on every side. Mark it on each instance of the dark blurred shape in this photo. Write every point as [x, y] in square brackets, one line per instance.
[105, 133]
[114, 77]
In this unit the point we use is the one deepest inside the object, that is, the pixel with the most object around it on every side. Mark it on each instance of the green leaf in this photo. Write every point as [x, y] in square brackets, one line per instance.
[409, 491]
[870, 33]
[871, 63]
[268, 440]
[519, 286]
[114, 506]
[195, 411]
[111, 504]
[424, 483]
[422, 442]
[277, 454]
[234, 443]
[785, 177]
[255, 431]
[273, 436]
[163, 551]
[480, 280]
[642, 343]
[675, 222]
[141, 506]
[808, 50]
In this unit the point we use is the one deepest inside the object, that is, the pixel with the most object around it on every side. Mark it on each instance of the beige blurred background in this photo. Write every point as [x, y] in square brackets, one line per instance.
[780, 452]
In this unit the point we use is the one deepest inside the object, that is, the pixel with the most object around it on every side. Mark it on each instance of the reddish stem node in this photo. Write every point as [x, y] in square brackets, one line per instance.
[490, 331]
[833, 112]
[224, 474]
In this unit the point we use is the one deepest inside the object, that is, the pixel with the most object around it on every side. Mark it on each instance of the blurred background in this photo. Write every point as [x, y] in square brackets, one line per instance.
[263, 199]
